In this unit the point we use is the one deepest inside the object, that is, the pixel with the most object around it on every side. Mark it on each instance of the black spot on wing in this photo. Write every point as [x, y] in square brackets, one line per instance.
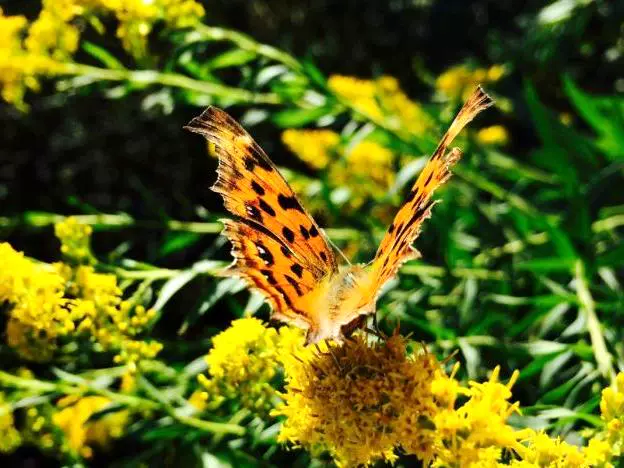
[304, 232]
[285, 251]
[429, 178]
[293, 282]
[297, 269]
[257, 188]
[313, 231]
[288, 234]
[266, 207]
[254, 213]
[269, 276]
[250, 163]
[323, 256]
[289, 203]
[265, 254]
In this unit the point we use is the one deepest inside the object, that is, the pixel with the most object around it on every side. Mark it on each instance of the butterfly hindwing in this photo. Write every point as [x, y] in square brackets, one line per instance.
[396, 246]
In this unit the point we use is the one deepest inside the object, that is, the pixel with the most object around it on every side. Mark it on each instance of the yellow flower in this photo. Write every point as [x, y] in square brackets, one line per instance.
[361, 94]
[542, 450]
[459, 81]
[75, 240]
[244, 363]
[598, 453]
[19, 68]
[382, 99]
[81, 433]
[475, 432]
[10, 438]
[314, 147]
[53, 302]
[359, 401]
[367, 170]
[495, 135]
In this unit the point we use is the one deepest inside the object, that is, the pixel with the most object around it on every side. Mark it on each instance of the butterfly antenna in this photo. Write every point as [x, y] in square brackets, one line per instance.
[344, 257]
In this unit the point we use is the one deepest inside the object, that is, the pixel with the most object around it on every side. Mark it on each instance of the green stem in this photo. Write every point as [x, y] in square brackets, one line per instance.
[135, 402]
[604, 359]
[213, 33]
[150, 77]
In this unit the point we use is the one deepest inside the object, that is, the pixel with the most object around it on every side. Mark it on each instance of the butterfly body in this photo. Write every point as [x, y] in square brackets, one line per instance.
[279, 249]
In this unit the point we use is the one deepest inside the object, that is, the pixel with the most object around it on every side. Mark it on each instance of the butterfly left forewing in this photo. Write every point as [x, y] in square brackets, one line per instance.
[253, 189]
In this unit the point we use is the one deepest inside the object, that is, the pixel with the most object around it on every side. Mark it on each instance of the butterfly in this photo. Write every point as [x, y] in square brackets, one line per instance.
[282, 252]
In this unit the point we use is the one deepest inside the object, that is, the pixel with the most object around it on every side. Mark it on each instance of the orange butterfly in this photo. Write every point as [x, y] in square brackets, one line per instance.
[281, 251]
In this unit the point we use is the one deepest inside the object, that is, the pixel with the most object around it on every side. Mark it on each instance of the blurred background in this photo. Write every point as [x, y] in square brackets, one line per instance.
[536, 208]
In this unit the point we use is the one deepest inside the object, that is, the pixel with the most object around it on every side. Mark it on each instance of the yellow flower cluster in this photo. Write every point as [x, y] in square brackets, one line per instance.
[10, 438]
[458, 82]
[81, 434]
[50, 302]
[41, 48]
[364, 402]
[138, 17]
[360, 402]
[382, 99]
[244, 363]
[75, 240]
[19, 67]
[314, 147]
[366, 169]
[475, 432]
[496, 135]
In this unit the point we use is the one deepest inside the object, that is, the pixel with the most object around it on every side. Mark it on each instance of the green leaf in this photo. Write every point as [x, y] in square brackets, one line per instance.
[548, 265]
[299, 117]
[604, 115]
[102, 55]
[231, 58]
[176, 241]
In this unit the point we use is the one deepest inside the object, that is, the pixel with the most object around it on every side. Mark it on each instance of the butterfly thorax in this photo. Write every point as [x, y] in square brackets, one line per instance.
[342, 299]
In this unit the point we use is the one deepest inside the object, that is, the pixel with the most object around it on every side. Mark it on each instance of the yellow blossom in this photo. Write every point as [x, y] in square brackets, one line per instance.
[244, 362]
[75, 239]
[360, 402]
[495, 135]
[542, 450]
[81, 433]
[367, 170]
[476, 431]
[382, 99]
[10, 438]
[19, 68]
[314, 147]
[49, 303]
[459, 81]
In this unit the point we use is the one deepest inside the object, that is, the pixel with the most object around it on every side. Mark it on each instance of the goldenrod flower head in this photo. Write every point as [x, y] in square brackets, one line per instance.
[612, 414]
[477, 430]
[496, 135]
[360, 401]
[75, 240]
[367, 170]
[51, 302]
[459, 81]
[19, 68]
[10, 438]
[82, 434]
[382, 99]
[314, 147]
[244, 362]
[542, 450]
